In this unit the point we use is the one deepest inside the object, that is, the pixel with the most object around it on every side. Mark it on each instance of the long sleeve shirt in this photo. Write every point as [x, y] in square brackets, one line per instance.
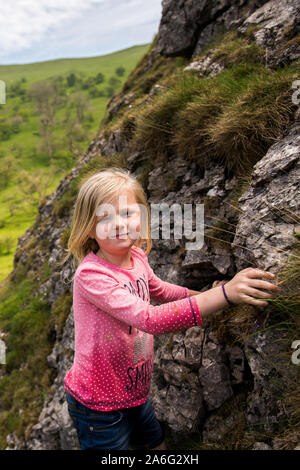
[114, 327]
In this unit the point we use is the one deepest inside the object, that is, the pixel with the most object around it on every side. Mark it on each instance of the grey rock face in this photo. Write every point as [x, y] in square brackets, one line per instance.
[261, 446]
[205, 67]
[182, 22]
[216, 428]
[264, 356]
[214, 373]
[266, 225]
[175, 379]
[276, 21]
[186, 27]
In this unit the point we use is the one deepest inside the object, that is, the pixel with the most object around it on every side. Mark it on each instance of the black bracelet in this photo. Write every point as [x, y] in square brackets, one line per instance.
[230, 303]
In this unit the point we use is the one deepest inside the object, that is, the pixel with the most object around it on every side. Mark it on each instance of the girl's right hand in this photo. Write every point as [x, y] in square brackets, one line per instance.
[244, 287]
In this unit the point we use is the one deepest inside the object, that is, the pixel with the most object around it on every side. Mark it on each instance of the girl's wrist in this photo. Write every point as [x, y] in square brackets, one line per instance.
[229, 302]
[211, 301]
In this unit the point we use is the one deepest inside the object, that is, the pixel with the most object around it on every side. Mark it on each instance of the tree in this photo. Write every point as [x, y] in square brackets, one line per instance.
[6, 245]
[15, 89]
[46, 96]
[34, 186]
[15, 122]
[88, 83]
[81, 103]
[113, 81]
[109, 92]
[120, 71]
[13, 204]
[75, 135]
[5, 130]
[99, 78]
[71, 79]
[8, 169]
[94, 92]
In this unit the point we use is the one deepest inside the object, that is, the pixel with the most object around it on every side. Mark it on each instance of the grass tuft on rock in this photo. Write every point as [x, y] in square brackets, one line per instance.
[233, 117]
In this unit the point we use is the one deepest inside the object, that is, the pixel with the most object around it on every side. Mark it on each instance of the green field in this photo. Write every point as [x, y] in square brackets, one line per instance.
[29, 170]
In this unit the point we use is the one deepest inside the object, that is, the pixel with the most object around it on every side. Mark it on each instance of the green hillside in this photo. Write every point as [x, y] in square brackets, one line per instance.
[90, 65]
[53, 110]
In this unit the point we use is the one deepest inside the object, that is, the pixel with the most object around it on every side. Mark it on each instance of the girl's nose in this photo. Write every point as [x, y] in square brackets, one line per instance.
[120, 222]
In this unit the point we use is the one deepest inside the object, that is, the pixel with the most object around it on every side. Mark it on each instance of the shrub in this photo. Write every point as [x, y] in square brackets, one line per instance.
[120, 71]
[100, 78]
[71, 79]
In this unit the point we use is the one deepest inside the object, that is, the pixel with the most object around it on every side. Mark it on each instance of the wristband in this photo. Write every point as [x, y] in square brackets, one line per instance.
[230, 303]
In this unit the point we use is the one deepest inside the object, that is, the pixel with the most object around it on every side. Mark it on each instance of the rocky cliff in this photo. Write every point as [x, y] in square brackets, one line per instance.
[222, 385]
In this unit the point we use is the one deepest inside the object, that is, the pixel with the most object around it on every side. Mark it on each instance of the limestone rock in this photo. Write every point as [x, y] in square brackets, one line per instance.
[269, 234]
[261, 446]
[217, 428]
[277, 23]
[187, 27]
[205, 67]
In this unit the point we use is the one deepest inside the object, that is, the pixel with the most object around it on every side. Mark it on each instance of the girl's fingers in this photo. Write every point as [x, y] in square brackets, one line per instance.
[246, 270]
[258, 293]
[265, 285]
[254, 273]
[249, 300]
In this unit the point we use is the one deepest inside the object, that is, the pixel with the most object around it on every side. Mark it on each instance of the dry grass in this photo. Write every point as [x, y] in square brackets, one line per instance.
[238, 116]
[232, 118]
[237, 49]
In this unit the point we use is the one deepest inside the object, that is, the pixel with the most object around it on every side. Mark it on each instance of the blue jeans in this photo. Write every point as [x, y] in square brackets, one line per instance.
[135, 428]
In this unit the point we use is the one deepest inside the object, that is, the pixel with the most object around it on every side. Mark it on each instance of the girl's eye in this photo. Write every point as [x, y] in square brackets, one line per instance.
[127, 213]
[124, 214]
[104, 218]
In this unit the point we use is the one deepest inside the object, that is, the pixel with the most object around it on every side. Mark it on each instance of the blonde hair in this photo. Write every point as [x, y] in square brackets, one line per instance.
[95, 190]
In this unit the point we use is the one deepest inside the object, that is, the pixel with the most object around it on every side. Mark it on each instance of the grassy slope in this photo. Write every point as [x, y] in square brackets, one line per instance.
[13, 226]
[91, 65]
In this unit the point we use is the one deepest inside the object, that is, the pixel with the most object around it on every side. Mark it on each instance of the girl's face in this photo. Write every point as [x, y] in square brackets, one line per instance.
[118, 223]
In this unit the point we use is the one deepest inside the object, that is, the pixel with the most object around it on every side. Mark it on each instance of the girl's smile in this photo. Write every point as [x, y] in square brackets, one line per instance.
[121, 236]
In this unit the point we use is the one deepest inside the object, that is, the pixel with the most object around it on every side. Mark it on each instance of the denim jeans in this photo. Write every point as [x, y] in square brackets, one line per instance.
[128, 428]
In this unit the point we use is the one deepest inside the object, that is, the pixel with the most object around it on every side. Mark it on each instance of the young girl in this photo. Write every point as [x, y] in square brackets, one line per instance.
[107, 387]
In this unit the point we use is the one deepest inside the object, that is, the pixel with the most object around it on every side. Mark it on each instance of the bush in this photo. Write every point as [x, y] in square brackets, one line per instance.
[71, 79]
[113, 81]
[5, 130]
[88, 83]
[120, 71]
[100, 78]
[6, 245]
[95, 93]
[15, 123]
[16, 89]
[109, 92]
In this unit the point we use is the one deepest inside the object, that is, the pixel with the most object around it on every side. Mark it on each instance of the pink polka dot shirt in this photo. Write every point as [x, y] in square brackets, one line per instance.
[114, 328]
